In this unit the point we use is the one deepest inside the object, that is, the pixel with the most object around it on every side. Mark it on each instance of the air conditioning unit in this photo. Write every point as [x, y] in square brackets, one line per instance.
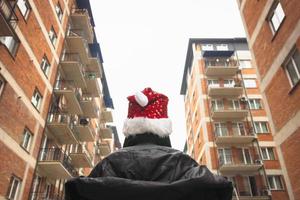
[243, 99]
[258, 161]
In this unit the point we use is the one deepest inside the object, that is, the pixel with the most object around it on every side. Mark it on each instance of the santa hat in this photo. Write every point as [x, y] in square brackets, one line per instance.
[147, 113]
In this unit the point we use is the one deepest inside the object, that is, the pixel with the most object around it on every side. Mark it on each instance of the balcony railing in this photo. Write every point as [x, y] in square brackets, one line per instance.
[68, 85]
[220, 63]
[45, 196]
[7, 11]
[57, 155]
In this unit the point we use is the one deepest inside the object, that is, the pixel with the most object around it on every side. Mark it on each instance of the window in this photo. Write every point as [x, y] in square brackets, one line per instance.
[213, 83]
[293, 68]
[207, 47]
[27, 137]
[250, 83]
[275, 182]
[24, 7]
[276, 17]
[225, 156]
[45, 66]
[2, 82]
[52, 36]
[10, 43]
[245, 64]
[261, 127]
[238, 128]
[255, 104]
[222, 47]
[267, 153]
[59, 11]
[217, 104]
[36, 99]
[14, 187]
[229, 83]
[235, 104]
[221, 129]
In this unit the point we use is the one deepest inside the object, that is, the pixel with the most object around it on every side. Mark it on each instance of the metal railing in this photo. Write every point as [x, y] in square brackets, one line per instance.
[57, 155]
[68, 85]
[239, 160]
[7, 10]
[45, 196]
[74, 57]
[80, 149]
[223, 131]
[220, 63]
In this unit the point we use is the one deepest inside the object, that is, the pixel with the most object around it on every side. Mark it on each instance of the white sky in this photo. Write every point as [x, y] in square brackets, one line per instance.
[144, 44]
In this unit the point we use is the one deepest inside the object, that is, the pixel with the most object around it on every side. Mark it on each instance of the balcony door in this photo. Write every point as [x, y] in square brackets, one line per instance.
[225, 156]
[235, 104]
[221, 129]
[217, 104]
[244, 156]
[238, 129]
[229, 83]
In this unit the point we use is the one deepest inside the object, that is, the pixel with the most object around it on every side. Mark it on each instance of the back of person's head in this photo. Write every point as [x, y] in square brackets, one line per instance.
[147, 120]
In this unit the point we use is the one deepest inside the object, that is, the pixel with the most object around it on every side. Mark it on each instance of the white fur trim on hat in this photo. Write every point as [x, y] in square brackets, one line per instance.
[140, 125]
[141, 99]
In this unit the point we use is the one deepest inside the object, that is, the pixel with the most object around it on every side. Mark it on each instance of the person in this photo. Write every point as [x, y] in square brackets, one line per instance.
[147, 167]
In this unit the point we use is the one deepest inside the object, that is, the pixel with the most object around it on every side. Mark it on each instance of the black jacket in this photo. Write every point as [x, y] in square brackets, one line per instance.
[148, 171]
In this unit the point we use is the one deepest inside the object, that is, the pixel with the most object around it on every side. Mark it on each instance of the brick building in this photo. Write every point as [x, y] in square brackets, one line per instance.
[227, 126]
[273, 29]
[54, 98]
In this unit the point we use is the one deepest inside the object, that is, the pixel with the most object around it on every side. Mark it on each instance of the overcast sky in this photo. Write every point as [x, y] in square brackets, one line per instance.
[144, 44]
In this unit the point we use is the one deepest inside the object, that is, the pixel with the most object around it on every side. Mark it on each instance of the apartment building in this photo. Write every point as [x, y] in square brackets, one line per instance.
[54, 98]
[227, 126]
[273, 29]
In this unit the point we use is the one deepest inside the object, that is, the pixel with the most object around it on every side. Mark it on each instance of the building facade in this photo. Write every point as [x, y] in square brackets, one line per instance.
[227, 126]
[273, 29]
[54, 98]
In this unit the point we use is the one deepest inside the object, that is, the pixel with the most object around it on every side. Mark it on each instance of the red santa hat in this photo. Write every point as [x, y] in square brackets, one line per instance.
[147, 113]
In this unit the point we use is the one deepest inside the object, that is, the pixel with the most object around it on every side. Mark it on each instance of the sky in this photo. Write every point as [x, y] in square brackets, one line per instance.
[144, 44]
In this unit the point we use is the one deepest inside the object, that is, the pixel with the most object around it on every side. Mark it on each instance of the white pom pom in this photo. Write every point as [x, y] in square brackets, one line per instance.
[141, 99]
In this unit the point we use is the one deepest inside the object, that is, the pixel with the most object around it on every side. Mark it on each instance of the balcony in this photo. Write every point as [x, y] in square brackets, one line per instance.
[95, 67]
[104, 149]
[81, 20]
[76, 43]
[8, 18]
[73, 69]
[106, 116]
[55, 164]
[80, 157]
[251, 198]
[226, 90]
[92, 83]
[46, 196]
[62, 128]
[84, 130]
[219, 68]
[229, 114]
[233, 165]
[72, 95]
[89, 107]
[234, 137]
[105, 133]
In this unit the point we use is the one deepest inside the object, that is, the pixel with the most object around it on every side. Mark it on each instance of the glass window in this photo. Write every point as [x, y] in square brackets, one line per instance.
[217, 104]
[221, 129]
[255, 104]
[213, 83]
[229, 83]
[27, 137]
[275, 182]
[245, 64]
[207, 47]
[59, 11]
[24, 7]
[267, 153]
[250, 83]
[2, 82]
[36, 99]
[52, 36]
[293, 68]
[10, 43]
[261, 127]
[45, 66]
[14, 188]
[222, 47]
[277, 17]
[235, 104]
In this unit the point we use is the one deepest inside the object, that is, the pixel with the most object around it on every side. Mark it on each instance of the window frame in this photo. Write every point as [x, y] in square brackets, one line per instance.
[260, 126]
[273, 177]
[28, 9]
[52, 36]
[290, 58]
[38, 106]
[59, 14]
[28, 147]
[249, 87]
[257, 104]
[267, 151]
[45, 63]
[12, 49]
[272, 14]
[207, 47]
[11, 187]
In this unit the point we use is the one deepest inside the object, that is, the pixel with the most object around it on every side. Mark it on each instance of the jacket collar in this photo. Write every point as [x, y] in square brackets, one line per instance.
[146, 138]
